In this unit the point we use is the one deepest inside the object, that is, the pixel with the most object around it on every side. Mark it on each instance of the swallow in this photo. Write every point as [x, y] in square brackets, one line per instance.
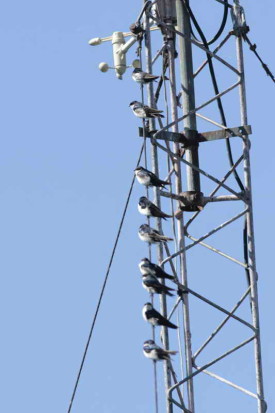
[154, 317]
[151, 235]
[146, 207]
[147, 267]
[148, 178]
[153, 286]
[143, 77]
[152, 351]
[143, 111]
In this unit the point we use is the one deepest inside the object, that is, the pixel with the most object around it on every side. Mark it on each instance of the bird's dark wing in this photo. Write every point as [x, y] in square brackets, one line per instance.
[159, 288]
[153, 314]
[155, 232]
[162, 183]
[147, 171]
[161, 273]
[163, 354]
[164, 322]
[149, 75]
[156, 212]
[152, 282]
[164, 238]
[154, 209]
[152, 175]
[156, 181]
[152, 110]
[156, 237]
[155, 115]
[161, 320]
[165, 288]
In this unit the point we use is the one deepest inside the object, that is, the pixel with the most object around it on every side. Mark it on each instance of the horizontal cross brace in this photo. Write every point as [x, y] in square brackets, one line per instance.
[193, 137]
[204, 200]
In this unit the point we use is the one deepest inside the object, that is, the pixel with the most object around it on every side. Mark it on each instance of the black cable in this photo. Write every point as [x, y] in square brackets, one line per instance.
[219, 32]
[162, 79]
[146, 5]
[104, 285]
[228, 145]
[227, 4]
[216, 89]
[264, 65]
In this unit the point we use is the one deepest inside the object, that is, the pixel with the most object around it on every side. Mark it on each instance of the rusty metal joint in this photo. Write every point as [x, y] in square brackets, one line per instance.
[240, 31]
[182, 290]
[191, 201]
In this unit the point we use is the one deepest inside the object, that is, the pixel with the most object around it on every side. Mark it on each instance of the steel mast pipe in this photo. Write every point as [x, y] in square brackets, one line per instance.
[155, 168]
[188, 94]
[180, 227]
[262, 407]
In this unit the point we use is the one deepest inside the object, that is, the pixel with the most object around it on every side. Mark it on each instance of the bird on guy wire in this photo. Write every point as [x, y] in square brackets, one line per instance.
[143, 111]
[146, 207]
[147, 267]
[153, 286]
[154, 317]
[152, 351]
[143, 77]
[151, 235]
[148, 178]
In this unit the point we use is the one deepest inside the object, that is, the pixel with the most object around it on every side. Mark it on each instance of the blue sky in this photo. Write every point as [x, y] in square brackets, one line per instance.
[68, 148]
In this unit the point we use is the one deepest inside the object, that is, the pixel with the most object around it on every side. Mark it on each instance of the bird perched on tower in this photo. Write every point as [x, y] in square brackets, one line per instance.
[154, 317]
[152, 351]
[147, 267]
[148, 178]
[153, 286]
[143, 111]
[151, 235]
[143, 77]
[146, 207]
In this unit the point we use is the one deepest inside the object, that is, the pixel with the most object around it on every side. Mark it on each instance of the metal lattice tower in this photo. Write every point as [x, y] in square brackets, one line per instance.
[201, 198]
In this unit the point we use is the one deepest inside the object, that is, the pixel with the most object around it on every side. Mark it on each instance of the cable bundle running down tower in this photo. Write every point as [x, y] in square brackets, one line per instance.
[225, 292]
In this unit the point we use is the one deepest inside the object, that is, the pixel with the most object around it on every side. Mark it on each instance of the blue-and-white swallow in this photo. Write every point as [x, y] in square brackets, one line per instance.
[151, 235]
[147, 267]
[146, 207]
[148, 178]
[143, 77]
[143, 111]
[154, 317]
[152, 351]
[153, 286]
